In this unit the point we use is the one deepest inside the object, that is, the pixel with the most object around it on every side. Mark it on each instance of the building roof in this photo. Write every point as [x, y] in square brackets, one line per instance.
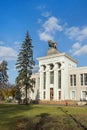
[57, 55]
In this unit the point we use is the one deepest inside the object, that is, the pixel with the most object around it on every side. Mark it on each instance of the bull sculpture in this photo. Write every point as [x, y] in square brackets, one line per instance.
[52, 44]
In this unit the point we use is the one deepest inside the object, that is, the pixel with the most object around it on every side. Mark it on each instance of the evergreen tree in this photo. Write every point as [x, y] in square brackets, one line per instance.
[3, 74]
[25, 65]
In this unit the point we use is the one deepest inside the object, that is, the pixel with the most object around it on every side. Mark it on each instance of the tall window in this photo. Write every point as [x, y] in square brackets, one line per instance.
[59, 79]
[59, 95]
[83, 78]
[44, 95]
[52, 77]
[83, 95]
[73, 80]
[73, 94]
[44, 76]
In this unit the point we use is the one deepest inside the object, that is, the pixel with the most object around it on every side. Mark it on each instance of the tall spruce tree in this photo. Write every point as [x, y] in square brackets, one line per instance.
[25, 65]
[3, 74]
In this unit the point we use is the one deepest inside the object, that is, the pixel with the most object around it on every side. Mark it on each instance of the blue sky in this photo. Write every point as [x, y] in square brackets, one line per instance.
[64, 21]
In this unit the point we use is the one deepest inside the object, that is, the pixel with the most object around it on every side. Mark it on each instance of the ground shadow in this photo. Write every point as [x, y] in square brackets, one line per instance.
[72, 117]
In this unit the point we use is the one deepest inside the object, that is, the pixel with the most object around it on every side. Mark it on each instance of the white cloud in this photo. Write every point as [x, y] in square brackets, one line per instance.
[76, 45]
[1, 42]
[76, 33]
[45, 14]
[49, 29]
[81, 51]
[77, 49]
[45, 36]
[82, 34]
[7, 53]
[52, 24]
[72, 32]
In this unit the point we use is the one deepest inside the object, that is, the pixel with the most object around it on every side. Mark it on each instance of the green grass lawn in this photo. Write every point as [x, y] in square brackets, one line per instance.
[10, 114]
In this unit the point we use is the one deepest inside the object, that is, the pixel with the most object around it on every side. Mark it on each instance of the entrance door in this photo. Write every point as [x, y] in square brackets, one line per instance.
[51, 93]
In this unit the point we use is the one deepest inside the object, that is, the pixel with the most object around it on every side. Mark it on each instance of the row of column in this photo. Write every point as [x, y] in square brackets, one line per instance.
[55, 85]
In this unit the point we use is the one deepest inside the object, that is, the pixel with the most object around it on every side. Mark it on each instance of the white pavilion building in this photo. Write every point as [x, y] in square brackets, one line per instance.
[59, 78]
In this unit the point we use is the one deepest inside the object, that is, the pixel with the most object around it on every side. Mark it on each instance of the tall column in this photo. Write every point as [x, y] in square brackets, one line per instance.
[62, 84]
[48, 82]
[41, 83]
[56, 82]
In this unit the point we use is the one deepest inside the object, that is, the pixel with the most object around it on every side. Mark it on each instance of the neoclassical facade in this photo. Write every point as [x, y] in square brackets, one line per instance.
[54, 71]
[59, 78]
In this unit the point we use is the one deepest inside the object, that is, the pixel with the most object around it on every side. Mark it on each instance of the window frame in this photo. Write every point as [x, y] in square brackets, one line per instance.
[51, 77]
[72, 79]
[73, 98]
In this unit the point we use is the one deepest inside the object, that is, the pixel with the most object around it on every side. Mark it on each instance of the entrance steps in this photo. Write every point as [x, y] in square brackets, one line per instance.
[62, 102]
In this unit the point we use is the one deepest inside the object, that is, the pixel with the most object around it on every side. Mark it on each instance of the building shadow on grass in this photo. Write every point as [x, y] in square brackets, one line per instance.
[32, 123]
[43, 117]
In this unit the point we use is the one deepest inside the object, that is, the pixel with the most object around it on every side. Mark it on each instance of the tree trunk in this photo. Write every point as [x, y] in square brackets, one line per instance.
[26, 102]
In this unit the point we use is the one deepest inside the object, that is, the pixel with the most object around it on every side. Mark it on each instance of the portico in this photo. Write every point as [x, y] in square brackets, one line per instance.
[50, 81]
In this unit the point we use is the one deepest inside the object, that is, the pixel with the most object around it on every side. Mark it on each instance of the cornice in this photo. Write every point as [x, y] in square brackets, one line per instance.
[57, 55]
